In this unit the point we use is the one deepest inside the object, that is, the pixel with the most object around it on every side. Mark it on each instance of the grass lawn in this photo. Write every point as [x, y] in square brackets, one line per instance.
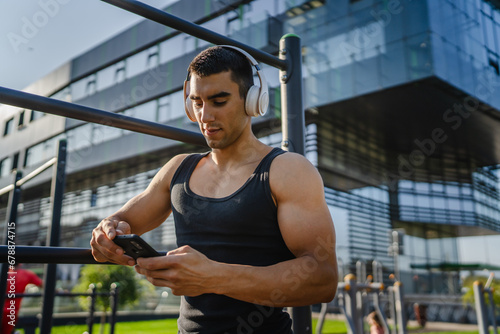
[169, 326]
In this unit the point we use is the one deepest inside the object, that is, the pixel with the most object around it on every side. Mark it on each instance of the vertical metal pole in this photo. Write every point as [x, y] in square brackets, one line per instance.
[378, 309]
[392, 308]
[400, 309]
[378, 275]
[53, 236]
[293, 129]
[14, 196]
[395, 253]
[493, 316]
[90, 319]
[482, 316]
[351, 309]
[292, 111]
[114, 307]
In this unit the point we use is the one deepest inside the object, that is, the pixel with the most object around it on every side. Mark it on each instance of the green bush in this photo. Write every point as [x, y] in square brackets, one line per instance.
[130, 286]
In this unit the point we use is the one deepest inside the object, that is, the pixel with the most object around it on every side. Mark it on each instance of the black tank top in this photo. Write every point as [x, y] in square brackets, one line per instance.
[241, 228]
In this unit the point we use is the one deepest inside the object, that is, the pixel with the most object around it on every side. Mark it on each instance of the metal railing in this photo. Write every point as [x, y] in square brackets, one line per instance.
[93, 294]
[289, 64]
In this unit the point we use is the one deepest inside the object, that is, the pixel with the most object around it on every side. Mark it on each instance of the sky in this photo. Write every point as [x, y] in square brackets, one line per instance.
[37, 36]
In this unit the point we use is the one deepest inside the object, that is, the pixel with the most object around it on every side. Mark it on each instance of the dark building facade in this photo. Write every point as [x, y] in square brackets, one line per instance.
[402, 102]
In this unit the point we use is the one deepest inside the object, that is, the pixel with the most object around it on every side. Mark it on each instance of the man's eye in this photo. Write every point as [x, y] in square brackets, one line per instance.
[220, 103]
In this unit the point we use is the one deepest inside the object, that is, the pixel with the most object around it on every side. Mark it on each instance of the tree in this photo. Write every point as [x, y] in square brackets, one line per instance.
[468, 297]
[130, 286]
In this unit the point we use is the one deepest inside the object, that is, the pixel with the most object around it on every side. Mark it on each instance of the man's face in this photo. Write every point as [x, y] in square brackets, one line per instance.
[218, 108]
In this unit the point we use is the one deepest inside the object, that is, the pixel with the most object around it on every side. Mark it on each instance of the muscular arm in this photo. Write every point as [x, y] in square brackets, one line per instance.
[140, 214]
[307, 230]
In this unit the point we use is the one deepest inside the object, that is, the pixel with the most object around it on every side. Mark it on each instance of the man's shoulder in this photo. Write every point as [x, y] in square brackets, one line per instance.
[292, 167]
[173, 164]
[291, 162]
[166, 173]
[293, 176]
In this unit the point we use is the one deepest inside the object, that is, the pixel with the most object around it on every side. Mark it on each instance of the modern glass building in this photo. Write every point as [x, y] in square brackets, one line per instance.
[402, 102]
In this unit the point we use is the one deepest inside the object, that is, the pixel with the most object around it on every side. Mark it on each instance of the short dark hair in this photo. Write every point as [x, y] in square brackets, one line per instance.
[217, 59]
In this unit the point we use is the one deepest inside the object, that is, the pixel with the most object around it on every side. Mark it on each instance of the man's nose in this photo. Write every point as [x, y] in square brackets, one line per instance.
[207, 114]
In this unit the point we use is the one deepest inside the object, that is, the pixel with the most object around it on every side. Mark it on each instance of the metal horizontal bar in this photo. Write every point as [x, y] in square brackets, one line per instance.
[6, 189]
[62, 294]
[36, 172]
[38, 254]
[62, 108]
[45, 254]
[159, 16]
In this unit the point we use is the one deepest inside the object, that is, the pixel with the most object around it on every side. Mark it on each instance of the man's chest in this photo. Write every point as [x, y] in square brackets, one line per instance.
[219, 184]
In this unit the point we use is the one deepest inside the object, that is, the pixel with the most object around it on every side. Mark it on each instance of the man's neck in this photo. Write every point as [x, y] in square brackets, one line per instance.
[239, 153]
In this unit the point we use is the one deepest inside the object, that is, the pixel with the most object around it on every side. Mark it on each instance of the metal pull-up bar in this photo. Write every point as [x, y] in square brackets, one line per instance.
[159, 16]
[46, 254]
[83, 113]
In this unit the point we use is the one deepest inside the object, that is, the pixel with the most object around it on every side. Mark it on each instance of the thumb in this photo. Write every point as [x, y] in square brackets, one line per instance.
[181, 250]
[123, 228]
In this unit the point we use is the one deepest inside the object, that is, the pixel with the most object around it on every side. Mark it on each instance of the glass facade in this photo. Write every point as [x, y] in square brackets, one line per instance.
[465, 38]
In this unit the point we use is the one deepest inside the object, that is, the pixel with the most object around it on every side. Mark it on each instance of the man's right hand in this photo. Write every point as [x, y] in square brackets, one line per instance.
[103, 247]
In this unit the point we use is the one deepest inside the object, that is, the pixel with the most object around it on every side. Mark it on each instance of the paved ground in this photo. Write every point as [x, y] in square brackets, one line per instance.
[441, 327]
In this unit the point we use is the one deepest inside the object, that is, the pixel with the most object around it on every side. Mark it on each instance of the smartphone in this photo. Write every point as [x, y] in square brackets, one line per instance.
[135, 246]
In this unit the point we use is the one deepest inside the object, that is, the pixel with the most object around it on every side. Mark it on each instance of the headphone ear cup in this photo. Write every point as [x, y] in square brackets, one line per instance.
[263, 102]
[252, 101]
[189, 109]
[188, 106]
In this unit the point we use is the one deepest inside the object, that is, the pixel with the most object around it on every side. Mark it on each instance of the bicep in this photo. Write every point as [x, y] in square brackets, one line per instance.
[303, 215]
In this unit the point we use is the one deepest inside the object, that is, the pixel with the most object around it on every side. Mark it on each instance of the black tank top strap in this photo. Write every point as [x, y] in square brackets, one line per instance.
[265, 164]
[186, 168]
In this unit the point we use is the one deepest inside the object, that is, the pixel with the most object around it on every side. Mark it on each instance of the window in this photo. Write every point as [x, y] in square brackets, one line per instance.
[105, 78]
[146, 111]
[137, 63]
[8, 126]
[493, 62]
[170, 107]
[93, 198]
[5, 167]
[91, 85]
[62, 95]
[120, 72]
[153, 57]
[15, 160]
[163, 112]
[20, 123]
[171, 49]
[36, 115]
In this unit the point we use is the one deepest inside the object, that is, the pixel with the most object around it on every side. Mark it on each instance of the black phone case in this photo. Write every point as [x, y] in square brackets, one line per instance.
[135, 246]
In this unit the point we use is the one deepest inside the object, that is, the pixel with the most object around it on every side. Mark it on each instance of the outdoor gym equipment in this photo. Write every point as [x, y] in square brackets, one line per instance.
[355, 296]
[482, 309]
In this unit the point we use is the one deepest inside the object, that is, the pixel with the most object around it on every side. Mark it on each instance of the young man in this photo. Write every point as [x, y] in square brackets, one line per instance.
[252, 225]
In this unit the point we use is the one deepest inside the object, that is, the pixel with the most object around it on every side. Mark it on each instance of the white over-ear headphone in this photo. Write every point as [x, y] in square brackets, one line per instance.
[257, 99]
